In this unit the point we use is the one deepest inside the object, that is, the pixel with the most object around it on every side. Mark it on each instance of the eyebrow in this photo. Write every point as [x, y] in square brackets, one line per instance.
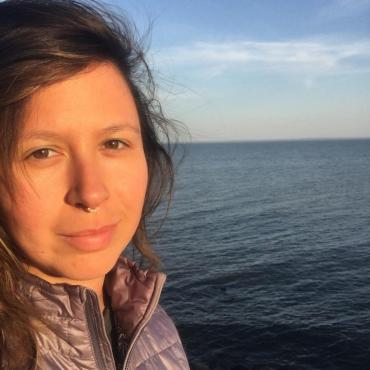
[46, 134]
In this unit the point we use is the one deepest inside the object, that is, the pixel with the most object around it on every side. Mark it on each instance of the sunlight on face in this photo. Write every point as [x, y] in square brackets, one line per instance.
[81, 147]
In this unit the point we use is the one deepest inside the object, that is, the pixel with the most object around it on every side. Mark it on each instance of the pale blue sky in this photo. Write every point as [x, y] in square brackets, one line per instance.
[261, 69]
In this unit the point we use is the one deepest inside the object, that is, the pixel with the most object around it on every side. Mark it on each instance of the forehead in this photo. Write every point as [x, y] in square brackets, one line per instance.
[97, 96]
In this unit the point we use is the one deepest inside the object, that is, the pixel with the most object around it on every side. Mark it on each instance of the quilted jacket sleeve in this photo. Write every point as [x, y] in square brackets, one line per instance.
[159, 346]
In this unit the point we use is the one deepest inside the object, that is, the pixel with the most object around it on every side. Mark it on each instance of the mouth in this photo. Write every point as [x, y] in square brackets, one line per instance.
[90, 240]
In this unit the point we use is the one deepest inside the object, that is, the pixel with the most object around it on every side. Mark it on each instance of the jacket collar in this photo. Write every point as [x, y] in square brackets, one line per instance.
[133, 294]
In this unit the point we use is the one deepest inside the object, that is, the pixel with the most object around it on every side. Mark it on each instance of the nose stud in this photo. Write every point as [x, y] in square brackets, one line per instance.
[87, 209]
[91, 210]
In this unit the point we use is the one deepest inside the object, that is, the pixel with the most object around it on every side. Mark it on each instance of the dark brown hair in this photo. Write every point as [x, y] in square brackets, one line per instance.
[43, 42]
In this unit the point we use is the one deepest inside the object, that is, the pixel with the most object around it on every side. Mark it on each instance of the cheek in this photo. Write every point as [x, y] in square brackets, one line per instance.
[26, 215]
[135, 186]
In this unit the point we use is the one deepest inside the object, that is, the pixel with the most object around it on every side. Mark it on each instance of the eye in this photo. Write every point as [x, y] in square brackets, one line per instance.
[115, 144]
[43, 153]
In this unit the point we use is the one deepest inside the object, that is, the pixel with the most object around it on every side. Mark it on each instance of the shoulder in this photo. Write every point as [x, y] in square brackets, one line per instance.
[159, 345]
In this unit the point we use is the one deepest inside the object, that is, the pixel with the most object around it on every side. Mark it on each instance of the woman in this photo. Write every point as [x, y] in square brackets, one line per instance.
[82, 168]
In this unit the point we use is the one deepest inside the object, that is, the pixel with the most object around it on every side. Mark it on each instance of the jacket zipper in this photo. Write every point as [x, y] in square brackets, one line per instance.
[93, 322]
[158, 288]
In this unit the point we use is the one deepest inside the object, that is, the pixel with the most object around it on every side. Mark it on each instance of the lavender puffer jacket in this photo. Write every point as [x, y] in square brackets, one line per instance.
[76, 339]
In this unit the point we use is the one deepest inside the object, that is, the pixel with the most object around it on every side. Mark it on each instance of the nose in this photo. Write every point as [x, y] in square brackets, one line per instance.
[87, 188]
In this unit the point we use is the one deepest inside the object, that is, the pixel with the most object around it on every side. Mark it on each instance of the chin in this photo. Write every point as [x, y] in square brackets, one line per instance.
[89, 267]
[79, 269]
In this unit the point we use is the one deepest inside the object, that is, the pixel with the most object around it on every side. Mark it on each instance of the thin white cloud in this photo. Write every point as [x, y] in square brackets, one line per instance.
[302, 56]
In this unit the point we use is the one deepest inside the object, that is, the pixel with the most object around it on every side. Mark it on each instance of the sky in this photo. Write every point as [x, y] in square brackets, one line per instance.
[260, 69]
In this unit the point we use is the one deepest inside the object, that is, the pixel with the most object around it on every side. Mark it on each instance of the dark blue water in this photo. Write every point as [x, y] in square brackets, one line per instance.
[267, 250]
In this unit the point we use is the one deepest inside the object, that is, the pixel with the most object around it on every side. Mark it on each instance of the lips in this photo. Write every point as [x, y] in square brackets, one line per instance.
[91, 239]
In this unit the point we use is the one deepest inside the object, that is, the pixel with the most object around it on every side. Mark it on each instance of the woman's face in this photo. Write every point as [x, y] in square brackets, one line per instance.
[80, 147]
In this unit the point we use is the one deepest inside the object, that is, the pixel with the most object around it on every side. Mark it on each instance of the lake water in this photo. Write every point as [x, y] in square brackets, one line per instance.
[267, 254]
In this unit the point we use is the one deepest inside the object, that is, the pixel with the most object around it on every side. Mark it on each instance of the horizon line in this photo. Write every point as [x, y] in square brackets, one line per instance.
[236, 141]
